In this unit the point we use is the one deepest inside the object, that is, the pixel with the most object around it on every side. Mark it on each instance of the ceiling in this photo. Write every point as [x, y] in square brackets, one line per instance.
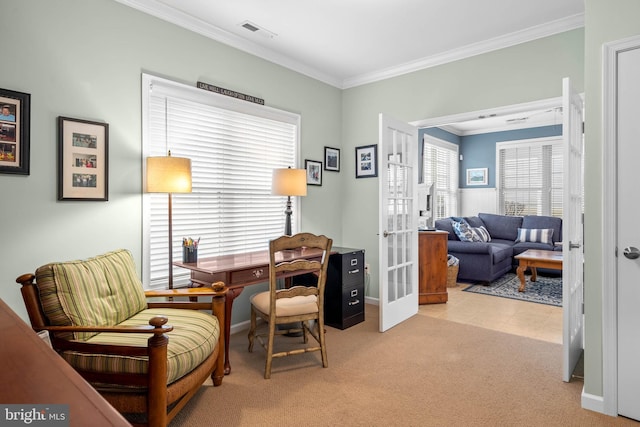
[347, 43]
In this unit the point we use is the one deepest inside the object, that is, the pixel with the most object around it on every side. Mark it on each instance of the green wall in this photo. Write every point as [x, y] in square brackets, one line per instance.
[527, 72]
[84, 59]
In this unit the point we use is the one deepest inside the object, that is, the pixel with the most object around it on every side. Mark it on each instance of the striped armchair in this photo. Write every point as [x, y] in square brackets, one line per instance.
[146, 358]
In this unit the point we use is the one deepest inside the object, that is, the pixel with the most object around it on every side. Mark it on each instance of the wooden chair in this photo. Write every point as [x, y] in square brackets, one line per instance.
[298, 305]
[147, 359]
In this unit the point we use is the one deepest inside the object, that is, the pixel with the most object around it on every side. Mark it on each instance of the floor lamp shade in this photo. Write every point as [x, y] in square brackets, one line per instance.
[168, 175]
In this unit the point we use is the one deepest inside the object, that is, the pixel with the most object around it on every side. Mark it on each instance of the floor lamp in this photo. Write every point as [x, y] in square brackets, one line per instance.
[169, 175]
[289, 182]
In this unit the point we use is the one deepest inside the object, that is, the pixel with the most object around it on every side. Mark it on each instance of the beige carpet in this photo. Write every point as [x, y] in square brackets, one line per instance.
[424, 372]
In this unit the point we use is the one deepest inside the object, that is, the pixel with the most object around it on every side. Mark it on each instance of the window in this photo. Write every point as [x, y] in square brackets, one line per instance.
[440, 167]
[233, 146]
[530, 180]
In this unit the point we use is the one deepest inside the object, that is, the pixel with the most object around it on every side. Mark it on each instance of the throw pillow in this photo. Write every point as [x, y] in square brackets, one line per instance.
[535, 235]
[466, 233]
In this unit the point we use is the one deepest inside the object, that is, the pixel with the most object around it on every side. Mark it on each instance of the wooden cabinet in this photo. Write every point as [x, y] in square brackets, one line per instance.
[344, 288]
[432, 267]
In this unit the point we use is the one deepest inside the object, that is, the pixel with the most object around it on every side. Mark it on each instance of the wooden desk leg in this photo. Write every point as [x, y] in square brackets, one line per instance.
[231, 295]
[534, 274]
[520, 272]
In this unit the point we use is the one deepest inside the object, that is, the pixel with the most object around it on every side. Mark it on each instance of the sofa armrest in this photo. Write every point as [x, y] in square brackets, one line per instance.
[469, 247]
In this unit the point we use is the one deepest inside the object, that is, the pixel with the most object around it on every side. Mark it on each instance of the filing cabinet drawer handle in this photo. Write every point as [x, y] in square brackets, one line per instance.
[356, 302]
[357, 270]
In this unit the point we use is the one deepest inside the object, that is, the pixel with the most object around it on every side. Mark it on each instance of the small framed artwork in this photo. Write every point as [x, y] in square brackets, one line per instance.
[367, 161]
[314, 172]
[83, 160]
[332, 159]
[14, 132]
[478, 176]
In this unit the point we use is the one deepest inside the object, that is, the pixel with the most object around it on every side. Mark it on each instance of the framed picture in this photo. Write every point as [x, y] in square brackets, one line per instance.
[83, 160]
[332, 159]
[478, 176]
[314, 172]
[14, 132]
[367, 161]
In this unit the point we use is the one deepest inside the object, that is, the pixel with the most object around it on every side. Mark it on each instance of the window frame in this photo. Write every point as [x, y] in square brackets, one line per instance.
[152, 86]
[452, 194]
[546, 205]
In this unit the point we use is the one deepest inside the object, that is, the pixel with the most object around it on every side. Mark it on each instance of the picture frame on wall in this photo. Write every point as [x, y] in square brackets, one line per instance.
[332, 159]
[478, 176]
[83, 160]
[314, 172]
[15, 114]
[367, 161]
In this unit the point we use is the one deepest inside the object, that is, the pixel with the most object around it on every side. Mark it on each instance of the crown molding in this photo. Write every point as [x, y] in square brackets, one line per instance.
[188, 22]
[169, 14]
[533, 33]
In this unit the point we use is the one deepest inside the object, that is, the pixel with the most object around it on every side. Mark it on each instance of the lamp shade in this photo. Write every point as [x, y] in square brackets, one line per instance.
[289, 182]
[168, 175]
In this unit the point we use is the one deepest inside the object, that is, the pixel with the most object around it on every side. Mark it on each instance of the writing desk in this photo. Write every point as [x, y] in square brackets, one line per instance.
[238, 271]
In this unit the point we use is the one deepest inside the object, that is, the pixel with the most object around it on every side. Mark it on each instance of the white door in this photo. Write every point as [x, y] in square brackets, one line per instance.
[628, 234]
[398, 229]
[572, 230]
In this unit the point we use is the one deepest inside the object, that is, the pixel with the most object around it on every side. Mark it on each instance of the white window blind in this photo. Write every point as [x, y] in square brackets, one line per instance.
[440, 166]
[530, 178]
[234, 147]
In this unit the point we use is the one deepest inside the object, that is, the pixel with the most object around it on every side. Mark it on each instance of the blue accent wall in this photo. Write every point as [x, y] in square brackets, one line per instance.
[479, 151]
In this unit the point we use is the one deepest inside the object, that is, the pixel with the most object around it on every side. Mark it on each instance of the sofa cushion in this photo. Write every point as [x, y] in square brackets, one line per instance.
[501, 251]
[100, 291]
[194, 336]
[535, 235]
[501, 226]
[540, 221]
[466, 233]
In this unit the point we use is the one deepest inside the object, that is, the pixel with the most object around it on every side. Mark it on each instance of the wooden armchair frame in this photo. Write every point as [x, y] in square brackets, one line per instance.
[147, 397]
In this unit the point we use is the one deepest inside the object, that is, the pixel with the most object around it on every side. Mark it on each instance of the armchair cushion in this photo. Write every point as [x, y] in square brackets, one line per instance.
[194, 337]
[100, 291]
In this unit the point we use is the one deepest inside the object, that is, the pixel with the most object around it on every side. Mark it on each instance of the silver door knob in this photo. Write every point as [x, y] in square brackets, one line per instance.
[386, 233]
[631, 252]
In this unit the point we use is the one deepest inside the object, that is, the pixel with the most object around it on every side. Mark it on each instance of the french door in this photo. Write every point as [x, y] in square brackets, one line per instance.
[398, 226]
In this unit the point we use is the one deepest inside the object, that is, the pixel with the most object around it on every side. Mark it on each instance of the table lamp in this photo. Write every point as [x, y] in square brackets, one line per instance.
[169, 175]
[289, 182]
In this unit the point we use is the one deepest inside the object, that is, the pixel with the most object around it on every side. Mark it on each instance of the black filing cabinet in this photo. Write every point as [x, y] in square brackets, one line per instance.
[344, 288]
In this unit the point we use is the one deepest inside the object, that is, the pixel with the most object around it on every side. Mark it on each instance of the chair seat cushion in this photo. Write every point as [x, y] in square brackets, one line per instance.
[286, 306]
[194, 337]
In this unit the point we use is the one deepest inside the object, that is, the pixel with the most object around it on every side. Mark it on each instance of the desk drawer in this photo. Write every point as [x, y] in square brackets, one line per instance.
[250, 275]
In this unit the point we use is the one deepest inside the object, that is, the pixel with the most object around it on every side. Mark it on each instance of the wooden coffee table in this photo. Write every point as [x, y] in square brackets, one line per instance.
[534, 258]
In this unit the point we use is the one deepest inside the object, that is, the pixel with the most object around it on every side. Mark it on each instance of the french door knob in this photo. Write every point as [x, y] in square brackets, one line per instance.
[631, 252]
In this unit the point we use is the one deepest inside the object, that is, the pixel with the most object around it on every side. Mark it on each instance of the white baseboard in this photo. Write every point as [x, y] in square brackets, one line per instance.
[592, 402]
[371, 300]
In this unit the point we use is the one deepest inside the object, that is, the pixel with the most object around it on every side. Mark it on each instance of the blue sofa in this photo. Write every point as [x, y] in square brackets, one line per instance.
[509, 236]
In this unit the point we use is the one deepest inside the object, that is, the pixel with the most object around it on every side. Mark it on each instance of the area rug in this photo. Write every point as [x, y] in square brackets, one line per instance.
[545, 290]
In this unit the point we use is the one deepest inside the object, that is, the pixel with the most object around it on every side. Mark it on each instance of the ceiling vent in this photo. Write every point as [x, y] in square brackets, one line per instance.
[256, 29]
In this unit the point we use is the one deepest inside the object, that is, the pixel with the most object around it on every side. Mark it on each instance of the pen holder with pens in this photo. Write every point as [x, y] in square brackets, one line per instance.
[190, 250]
